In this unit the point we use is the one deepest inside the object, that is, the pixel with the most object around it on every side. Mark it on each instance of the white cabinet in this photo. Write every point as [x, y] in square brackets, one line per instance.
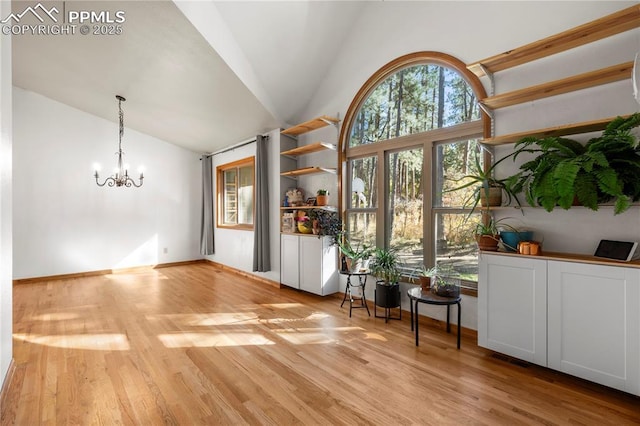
[577, 317]
[309, 263]
[594, 323]
[512, 306]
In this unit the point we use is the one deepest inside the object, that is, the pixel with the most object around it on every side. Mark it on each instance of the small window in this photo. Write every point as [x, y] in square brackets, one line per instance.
[236, 193]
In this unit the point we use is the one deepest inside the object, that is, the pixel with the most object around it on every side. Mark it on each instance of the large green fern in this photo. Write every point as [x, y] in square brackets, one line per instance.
[605, 169]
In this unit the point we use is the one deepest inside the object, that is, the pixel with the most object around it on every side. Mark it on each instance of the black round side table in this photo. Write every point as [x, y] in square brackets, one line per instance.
[418, 295]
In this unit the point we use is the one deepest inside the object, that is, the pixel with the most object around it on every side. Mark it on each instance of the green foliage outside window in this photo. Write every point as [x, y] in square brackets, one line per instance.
[416, 99]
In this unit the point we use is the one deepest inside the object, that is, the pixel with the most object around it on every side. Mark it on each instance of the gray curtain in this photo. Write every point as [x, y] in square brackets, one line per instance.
[261, 251]
[206, 224]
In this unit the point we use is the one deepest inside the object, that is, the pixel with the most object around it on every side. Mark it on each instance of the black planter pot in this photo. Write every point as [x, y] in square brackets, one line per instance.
[387, 297]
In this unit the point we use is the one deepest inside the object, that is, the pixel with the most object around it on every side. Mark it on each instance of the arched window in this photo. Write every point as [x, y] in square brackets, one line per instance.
[415, 99]
[410, 133]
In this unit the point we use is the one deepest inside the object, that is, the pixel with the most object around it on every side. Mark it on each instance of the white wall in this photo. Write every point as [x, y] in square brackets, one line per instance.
[6, 306]
[487, 29]
[235, 247]
[64, 223]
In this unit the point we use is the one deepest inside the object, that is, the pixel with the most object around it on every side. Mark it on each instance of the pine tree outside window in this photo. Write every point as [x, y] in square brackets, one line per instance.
[414, 132]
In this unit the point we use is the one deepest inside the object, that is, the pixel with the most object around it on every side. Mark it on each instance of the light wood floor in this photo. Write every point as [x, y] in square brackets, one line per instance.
[192, 345]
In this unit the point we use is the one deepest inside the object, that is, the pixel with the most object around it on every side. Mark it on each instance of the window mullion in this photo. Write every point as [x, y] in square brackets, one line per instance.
[428, 233]
[381, 219]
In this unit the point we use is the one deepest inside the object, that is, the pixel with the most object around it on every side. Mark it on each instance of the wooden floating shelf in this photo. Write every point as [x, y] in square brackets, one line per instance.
[565, 85]
[491, 208]
[326, 208]
[309, 149]
[619, 22]
[569, 129]
[571, 257]
[307, 171]
[308, 126]
[301, 234]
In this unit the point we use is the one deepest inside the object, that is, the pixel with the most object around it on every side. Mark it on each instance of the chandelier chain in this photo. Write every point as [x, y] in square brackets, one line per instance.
[121, 116]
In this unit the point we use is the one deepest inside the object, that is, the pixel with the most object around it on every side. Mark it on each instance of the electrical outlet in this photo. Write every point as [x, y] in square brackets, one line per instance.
[165, 250]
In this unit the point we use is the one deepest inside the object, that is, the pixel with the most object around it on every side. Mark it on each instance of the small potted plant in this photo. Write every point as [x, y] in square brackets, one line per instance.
[424, 275]
[511, 236]
[356, 256]
[322, 197]
[488, 189]
[487, 235]
[445, 285]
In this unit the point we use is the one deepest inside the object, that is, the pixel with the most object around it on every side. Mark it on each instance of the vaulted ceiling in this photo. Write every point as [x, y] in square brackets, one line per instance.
[201, 75]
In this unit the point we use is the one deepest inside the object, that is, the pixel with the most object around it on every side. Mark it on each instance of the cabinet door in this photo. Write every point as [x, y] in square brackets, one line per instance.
[594, 323]
[512, 306]
[289, 261]
[330, 278]
[311, 264]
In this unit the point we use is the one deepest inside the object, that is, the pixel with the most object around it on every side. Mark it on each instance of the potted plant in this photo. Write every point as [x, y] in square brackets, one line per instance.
[385, 266]
[565, 172]
[511, 236]
[488, 189]
[424, 275]
[322, 197]
[446, 285]
[487, 235]
[329, 224]
[356, 256]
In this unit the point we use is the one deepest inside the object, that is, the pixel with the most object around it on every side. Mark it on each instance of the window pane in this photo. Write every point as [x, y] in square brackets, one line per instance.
[363, 183]
[405, 218]
[235, 191]
[455, 243]
[413, 100]
[245, 196]
[230, 197]
[361, 228]
[452, 162]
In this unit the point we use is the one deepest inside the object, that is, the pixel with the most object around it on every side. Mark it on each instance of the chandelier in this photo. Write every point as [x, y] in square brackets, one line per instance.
[121, 174]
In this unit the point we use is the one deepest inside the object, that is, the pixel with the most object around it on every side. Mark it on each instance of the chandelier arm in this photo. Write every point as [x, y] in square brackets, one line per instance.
[134, 184]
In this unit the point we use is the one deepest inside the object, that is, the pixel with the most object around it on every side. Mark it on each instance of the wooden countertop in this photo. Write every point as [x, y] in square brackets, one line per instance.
[571, 257]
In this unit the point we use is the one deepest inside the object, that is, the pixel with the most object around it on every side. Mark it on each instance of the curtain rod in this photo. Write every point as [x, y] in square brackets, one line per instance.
[232, 147]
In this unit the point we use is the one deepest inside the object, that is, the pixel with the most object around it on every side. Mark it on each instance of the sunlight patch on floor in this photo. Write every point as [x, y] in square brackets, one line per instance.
[213, 339]
[96, 342]
[375, 336]
[314, 336]
[55, 316]
[202, 320]
[229, 318]
[282, 305]
[317, 316]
